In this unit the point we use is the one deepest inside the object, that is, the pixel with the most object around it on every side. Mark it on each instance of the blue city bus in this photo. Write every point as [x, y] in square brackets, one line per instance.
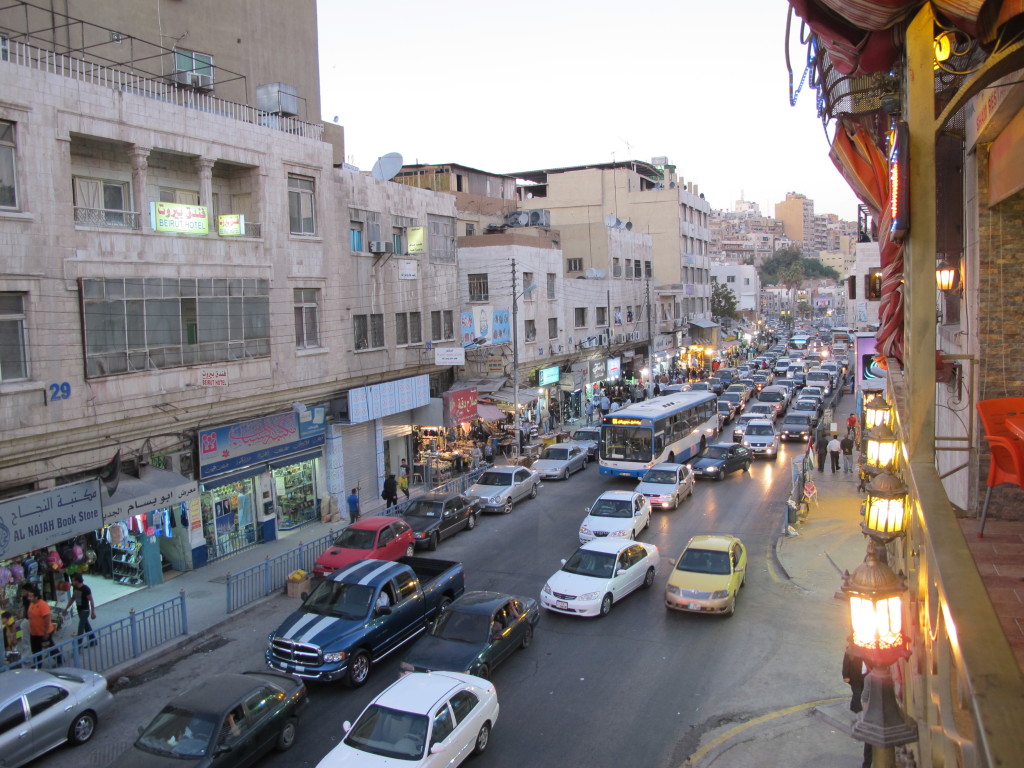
[671, 428]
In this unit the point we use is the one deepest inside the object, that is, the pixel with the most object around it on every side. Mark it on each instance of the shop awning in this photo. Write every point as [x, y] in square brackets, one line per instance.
[489, 412]
[701, 323]
[153, 489]
[507, 395]
[483, 386]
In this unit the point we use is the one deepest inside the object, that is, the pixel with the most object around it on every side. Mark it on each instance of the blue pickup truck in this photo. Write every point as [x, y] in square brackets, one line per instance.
[359, 614]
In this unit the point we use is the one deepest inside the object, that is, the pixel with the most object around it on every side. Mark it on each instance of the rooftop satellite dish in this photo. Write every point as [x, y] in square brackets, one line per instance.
[609, 220]
[387, 166]
[629, 225]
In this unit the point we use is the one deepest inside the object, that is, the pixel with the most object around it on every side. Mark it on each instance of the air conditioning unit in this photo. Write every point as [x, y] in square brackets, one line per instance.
[381, 246]
[198, 80]
[540, 218]
[518, 219]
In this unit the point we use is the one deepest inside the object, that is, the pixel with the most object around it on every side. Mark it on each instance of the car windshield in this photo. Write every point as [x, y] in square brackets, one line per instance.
[587, 563]
[344, 601]
[179, 732]
[760, 429]
[354, 538]
[421, 508]
[586, 434]
[660, 476]
[772, 397]
[796, 422]
[612, 508]
[495, 478]
[628, 443]
[704, 561]
[462, 626]
[555, 454]
[723, 406]
[389, 733]
[715, 452]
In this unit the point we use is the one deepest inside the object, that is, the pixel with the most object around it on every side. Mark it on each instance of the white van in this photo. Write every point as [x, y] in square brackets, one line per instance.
[819, 377]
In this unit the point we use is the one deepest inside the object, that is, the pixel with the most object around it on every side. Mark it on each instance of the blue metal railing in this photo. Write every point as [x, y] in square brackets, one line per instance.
[115, 643]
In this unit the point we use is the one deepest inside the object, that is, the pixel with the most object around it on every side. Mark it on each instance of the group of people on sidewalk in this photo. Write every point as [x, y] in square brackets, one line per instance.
[830, 451]
[41, 626]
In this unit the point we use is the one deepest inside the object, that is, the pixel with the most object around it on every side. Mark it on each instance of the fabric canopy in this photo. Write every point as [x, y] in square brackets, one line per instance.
[700, 323]
[489, 412]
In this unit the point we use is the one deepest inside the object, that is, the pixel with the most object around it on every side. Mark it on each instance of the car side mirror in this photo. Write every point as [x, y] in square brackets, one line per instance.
[437, 748]
[620, 571]
[587, 510]
[563, 561]
[740, 568]
[346, 726]
[384, 610]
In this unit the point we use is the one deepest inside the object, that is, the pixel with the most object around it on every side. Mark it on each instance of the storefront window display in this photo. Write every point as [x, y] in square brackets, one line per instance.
[229, 520]
[296, 490]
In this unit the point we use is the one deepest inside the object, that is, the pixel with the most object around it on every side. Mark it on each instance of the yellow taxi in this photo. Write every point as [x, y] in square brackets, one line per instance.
[708, 575]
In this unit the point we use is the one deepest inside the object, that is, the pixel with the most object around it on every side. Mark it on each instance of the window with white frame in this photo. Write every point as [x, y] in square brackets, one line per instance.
[368, 331]
[435, 326]
[574, 265]
[529, 287]
[478, 290]
[415, 328]
[441, 239]
[401, 328]
[580, 317]
[137, 324]
[193, 68]
[8, 166]
[397, 240]
[616, 267]
[103, 203]
[602, 316]
[307, 317]
[530, 330]
[648, 269]
[638, 269]
[355, 236]
[442, 325]
[629, 269]
[376, 331]
[551, 285]
[13, 347]
[552, 327]
[179, 196]
[448, 323]
[730, 278]
[301, 205]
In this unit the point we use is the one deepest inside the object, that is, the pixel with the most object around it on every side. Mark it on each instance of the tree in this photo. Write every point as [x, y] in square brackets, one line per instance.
[804, 308]
[774, 267]
[723, 301]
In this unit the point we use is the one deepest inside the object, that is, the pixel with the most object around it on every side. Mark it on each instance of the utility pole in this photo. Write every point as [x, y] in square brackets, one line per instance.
[515, 353]
[650, 338]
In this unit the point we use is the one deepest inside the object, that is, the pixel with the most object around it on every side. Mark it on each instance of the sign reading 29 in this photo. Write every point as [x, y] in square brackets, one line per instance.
[60, 391]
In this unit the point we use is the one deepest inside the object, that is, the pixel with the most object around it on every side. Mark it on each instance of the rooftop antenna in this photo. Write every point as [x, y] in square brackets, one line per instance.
[387, 166]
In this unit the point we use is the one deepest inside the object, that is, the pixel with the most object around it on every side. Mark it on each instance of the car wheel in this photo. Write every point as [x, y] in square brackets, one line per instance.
[483, 671]
[471, 522]
[533, 493]
[432, 541]
[82, 728]
[675, 501]
[507, 509]
[483, 737]
[565, 474]
[358, 669]
[648, 523]
[732, 606]
[775, 456]
[527, 637]
[286, 739]
[606, 605]
[649, 578]
[410, 550]
[443, 605]
[585, 462]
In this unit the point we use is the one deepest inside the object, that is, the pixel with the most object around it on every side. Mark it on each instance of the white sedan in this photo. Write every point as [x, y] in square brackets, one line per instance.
[600, 573]
[621, 514]
[422, 720]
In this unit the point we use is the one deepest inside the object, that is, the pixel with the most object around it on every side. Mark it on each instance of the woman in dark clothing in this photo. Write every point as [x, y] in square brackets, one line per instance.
[390, 492]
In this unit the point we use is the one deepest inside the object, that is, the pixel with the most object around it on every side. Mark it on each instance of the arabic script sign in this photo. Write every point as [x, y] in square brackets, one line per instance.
[251, 442]
[47, 517]
[175, 217]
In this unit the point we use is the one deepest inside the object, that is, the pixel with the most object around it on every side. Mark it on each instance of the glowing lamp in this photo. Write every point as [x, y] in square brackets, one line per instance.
[881, 448]
[877, 412]
[875, 594]
[885, 509]
[946, 276]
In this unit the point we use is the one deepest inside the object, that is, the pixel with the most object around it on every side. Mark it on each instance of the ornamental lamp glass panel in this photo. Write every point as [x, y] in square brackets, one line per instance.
[885, 515]
[881, 448]
[877, 412]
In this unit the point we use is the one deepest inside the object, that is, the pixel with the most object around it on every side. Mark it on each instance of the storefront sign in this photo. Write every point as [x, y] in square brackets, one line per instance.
[467, 328]
[407, 269]
[231, 225]
[252, 442]
[598, 369]
[153, 489]
[495, 365]
[417, 239]
[501, 329]
[459, 406]
[482, 323]
[449, 356]
[47, 517]
[365, 403]
[614, 368]
[213, 377]
[180, 219]
[547, 376]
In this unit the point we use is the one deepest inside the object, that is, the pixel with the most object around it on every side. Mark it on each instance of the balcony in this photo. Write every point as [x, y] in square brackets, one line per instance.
[106, 219]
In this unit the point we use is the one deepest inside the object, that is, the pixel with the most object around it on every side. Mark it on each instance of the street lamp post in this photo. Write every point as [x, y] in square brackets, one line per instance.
[515, 349]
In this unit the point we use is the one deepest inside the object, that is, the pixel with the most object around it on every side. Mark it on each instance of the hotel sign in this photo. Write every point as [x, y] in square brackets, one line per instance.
[180, 219]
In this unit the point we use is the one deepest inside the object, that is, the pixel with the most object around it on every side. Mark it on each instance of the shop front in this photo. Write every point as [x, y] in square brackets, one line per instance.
[258, 478]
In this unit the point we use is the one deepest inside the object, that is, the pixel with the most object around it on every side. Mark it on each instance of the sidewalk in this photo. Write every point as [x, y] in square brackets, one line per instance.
[817, 732]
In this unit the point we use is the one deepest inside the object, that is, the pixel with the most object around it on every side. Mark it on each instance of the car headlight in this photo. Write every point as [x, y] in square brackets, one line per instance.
[712, 469]
[720, 594]
[746, 443]
[334, 657]
[421, 535]
[584, 529]
[547, 589]
[589, 596]
[623, 532]
[672, 589]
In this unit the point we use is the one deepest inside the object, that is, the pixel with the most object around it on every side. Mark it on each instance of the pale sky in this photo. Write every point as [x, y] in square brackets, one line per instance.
[526, 85]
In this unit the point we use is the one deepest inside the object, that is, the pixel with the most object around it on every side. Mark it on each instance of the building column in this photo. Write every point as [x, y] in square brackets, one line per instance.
[204, 167]
[139, 157]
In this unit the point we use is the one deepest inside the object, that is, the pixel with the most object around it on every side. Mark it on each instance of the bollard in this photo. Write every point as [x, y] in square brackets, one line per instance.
[184, 613]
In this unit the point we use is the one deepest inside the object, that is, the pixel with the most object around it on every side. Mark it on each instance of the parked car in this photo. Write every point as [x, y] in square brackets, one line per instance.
[618, 514]
[666, 485]
[764, 411]
[475, 634]
[719, 459]
[599, 574]
[40, 710]
[590, 438]
[796, 426]
[708, 575]
[436, 516]
[560, 460]
[420, 721]
[500, 487]
[229, 719]
[762, 439]
[380, 538]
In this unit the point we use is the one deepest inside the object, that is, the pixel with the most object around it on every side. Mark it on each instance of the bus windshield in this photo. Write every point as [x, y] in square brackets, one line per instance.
[626, 443]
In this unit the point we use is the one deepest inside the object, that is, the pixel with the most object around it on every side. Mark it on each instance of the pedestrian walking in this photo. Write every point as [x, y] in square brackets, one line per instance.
[353, 506]
[403, 477]
[606, 404]
[590, 412]
[488, 452]
[851, 425]
[40, 622]
[821, 448]
[834, 449]
[846, 445]
[81, 598]
[390, 492]
[552, 416]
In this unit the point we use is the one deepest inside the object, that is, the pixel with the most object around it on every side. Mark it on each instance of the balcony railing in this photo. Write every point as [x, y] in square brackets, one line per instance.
[106, 218]
[27, 55]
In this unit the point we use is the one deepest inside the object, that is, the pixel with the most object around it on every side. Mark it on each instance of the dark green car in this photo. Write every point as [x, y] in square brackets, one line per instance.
[475, 634]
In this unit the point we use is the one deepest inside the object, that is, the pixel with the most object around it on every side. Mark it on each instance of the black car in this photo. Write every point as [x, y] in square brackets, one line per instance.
[224, 720]
[435, 516]
[796, 426]
[474, 634]
[719, 459]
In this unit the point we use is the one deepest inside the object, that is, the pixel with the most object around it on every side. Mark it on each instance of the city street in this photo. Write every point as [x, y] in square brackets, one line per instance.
[638, 687]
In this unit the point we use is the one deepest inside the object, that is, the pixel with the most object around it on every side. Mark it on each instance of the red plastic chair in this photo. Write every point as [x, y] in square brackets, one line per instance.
[1006, 464]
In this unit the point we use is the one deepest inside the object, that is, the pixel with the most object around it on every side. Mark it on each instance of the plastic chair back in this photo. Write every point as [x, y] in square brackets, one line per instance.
[993, 414]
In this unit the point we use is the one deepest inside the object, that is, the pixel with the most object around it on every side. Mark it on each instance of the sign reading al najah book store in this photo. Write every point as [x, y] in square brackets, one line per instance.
[182, 219]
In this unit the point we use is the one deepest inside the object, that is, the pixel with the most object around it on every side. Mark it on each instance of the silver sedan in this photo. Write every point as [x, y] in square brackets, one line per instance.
[561, 460]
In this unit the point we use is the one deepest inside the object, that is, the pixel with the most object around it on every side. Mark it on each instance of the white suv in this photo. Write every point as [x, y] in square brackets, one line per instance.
[761, 438]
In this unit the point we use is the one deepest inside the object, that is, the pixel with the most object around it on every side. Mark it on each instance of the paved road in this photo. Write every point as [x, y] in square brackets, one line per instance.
[636, 688]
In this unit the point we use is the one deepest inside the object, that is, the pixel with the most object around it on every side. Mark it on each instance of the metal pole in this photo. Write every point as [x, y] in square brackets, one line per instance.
[515, 354]
[650, 340]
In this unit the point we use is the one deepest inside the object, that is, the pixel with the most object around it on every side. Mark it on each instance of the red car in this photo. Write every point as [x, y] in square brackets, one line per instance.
[377, 538]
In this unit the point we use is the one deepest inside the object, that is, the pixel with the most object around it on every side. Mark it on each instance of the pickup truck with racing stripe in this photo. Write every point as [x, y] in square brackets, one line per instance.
[359, 614]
